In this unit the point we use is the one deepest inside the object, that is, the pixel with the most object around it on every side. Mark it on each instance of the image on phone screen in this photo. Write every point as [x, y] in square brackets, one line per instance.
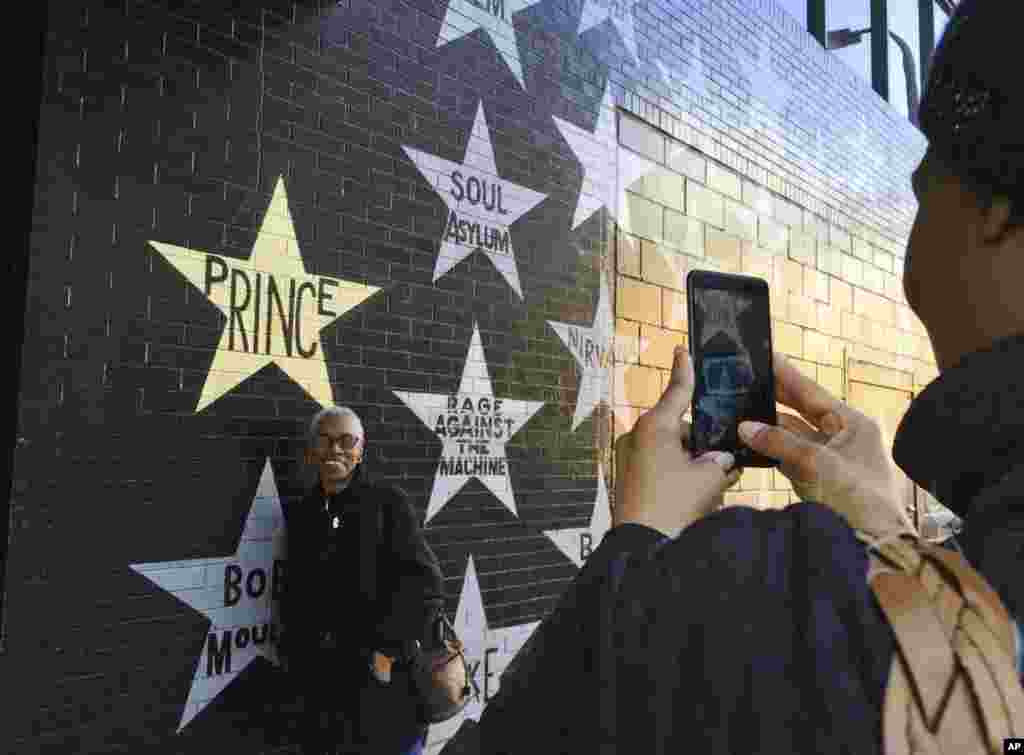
[732, 366]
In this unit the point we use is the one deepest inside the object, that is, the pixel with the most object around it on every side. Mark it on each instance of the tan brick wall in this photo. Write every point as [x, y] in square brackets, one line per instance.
[836, 293]
[637, 300]
[705, 204]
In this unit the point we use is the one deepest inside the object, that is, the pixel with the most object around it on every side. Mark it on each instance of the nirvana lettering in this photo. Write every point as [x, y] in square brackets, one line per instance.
[591, 352]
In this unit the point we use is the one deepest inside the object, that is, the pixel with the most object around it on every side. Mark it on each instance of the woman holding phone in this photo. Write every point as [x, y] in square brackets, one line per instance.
[737, 630]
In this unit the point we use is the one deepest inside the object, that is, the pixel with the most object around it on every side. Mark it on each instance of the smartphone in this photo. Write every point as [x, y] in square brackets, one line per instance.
[731, 350]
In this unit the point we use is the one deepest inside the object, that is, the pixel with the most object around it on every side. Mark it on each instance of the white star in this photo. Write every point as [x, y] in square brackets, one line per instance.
[577, 543]
[592, 349]
[493, 16]
[631, 168]
[274, 310]
[481, 206]
[595, 152]
[620, 12]
[474, 427]
[236, 593]
[487, 652]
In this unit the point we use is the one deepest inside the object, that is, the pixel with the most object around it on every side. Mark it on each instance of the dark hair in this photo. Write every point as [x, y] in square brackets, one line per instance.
[980, 186]
[972, 111]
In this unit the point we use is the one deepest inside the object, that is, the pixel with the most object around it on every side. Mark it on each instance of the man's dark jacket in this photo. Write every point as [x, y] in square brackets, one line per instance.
[325, 586]
[755, 631]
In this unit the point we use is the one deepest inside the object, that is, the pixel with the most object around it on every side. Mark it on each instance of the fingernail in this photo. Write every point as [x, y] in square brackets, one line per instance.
[724, 459]
[748, 430]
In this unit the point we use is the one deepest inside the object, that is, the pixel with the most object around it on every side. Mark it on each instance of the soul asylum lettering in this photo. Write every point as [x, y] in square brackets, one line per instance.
[587, 348]
[479, 192]
[473, 425]
[260, 299]
[253, 585]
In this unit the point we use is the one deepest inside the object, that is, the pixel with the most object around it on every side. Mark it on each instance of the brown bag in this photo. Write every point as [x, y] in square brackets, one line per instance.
[441, 675]
[953, 685]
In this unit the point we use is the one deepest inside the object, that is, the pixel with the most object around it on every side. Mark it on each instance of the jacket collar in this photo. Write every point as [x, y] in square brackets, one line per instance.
[963, 432]
[343, 497]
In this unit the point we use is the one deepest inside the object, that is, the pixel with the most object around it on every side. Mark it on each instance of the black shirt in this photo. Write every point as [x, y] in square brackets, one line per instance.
[375, 591]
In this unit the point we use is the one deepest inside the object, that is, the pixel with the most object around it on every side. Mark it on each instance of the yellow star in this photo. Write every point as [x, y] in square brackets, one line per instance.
[274, 310]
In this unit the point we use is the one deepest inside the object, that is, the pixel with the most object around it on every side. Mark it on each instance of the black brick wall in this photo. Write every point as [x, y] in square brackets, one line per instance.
[172, 122]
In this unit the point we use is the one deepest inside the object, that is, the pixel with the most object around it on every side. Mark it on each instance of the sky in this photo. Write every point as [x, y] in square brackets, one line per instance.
[856, 14]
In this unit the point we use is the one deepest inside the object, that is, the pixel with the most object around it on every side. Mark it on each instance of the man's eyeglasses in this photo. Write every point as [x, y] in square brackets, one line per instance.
[347, 441]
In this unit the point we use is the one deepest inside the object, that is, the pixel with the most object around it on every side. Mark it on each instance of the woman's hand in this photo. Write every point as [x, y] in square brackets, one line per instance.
[658, 484]
[835, 455]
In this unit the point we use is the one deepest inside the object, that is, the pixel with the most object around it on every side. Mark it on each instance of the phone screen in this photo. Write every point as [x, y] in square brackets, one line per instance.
[731, 345]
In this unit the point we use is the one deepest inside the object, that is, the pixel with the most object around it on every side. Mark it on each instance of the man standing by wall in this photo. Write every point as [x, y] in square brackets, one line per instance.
[362, 587]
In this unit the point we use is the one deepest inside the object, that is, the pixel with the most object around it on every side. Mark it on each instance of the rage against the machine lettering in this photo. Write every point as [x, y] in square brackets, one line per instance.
[473, 424]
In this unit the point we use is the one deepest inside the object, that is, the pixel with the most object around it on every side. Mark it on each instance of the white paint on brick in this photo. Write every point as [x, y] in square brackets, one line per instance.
[488, 652]
[452, 182]
[247, 578]
[620, 14]
[592, 349]
[596, 153]
[473, 427]
[578, 542]
[463, 17]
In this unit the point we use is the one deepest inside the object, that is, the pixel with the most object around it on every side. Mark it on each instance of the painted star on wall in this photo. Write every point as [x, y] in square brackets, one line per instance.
[274, 310]
[595, 151]
[592, 349]
[487, 652]
[578, 542]
[236, 593]
[631, 168]
[619, 12]
[481, 206]
[463, 17]
[474, 427]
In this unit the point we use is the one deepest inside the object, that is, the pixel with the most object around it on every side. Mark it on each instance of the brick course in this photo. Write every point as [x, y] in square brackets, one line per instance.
[174, 123]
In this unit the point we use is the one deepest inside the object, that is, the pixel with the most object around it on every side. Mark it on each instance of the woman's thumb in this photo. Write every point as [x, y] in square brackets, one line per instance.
[719, 472]
[782, 445]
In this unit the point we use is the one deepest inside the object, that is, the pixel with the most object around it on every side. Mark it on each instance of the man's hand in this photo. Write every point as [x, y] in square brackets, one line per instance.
[658, 484]
[835, 455]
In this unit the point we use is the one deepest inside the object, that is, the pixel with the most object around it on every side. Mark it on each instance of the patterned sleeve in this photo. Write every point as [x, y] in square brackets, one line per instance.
[560, 654]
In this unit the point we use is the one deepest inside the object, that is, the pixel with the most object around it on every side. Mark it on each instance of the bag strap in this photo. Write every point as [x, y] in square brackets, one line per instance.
[953, 675]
